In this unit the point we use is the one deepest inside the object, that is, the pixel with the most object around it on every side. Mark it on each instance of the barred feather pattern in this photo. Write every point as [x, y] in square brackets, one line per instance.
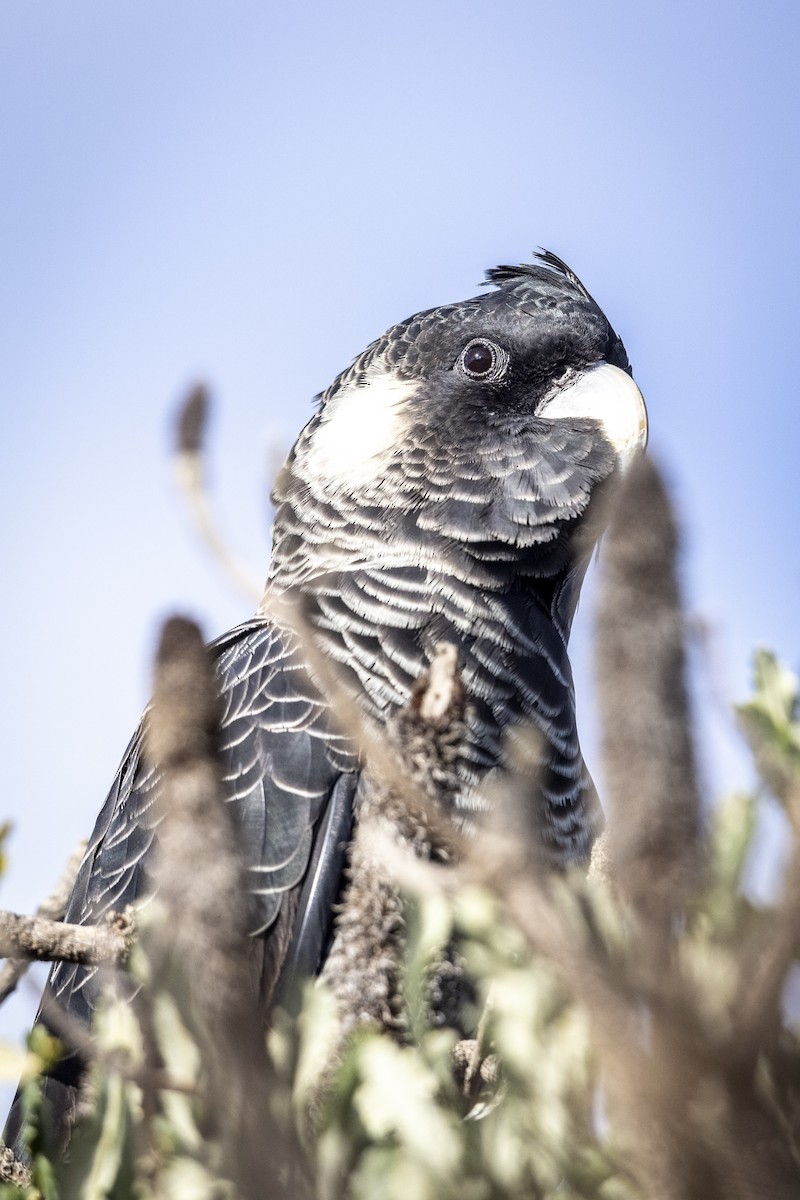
[486, 548]
[280, 758]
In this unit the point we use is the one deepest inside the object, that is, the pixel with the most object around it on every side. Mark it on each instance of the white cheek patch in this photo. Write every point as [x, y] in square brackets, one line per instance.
[609, 396]
[360, 428]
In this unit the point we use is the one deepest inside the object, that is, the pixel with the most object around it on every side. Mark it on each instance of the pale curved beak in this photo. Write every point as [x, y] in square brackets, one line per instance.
[608, 395]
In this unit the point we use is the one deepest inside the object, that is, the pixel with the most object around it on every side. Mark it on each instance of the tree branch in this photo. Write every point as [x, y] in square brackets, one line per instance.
[53, 908]
[37, 939]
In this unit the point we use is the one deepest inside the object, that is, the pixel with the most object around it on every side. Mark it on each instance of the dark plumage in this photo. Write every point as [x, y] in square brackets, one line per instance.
[441, 492]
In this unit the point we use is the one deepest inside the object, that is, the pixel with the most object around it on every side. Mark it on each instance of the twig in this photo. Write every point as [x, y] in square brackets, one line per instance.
[476, 1057]
[190, 474]
[386, 756]
[40, 940]
[53, 908]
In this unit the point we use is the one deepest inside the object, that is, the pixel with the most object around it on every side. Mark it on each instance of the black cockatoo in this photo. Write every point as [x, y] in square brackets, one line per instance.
[442, 492]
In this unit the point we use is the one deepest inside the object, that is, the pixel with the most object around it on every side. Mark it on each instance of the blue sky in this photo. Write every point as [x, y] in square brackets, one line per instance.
[248, 193]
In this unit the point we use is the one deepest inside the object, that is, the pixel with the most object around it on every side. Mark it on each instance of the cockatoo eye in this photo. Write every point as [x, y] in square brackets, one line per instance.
[483, 360]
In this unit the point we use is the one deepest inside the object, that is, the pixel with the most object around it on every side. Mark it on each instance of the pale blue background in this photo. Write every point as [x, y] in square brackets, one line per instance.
[248, 193]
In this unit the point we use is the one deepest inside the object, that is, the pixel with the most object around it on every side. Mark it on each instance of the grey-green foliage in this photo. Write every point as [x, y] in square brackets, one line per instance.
[393, 1123]
[393, 1126]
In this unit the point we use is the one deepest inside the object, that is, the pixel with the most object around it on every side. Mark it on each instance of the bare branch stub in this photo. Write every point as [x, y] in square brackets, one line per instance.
[190, 471]
[200, 948]
[648, 755]
[192, 421]
[422, 747]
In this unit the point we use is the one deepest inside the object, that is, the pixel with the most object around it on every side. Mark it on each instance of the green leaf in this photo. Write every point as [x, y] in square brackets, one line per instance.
[319, 1034]
[732, 825]
[429, 924]
[398, 1096]
[5, 830]
[47, 1049]
[17, 1064]
[770, 723]
[178, 1048]
[100, 1161]
[187, 1179]
[722, 908]
[776, 691]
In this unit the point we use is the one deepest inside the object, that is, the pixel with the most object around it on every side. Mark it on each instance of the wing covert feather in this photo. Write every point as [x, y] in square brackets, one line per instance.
[277, 775]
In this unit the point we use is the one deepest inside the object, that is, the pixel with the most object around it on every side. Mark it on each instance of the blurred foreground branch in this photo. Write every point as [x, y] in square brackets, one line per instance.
[198, 948]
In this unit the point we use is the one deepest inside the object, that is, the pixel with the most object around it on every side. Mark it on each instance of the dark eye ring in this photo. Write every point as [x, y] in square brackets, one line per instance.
[483, 360]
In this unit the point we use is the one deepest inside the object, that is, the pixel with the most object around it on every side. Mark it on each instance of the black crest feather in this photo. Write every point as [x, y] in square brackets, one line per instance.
[547, 264]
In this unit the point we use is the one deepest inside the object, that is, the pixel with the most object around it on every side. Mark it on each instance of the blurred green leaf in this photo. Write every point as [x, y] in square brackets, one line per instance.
[178, 1048]
[5, 830]
[187, 1179]
[722, 908]
[770, 723]
[17, 1064]
[776, 690]
[398, 1096]
[101, 1156]
[48, 1050]
[319, 1032]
